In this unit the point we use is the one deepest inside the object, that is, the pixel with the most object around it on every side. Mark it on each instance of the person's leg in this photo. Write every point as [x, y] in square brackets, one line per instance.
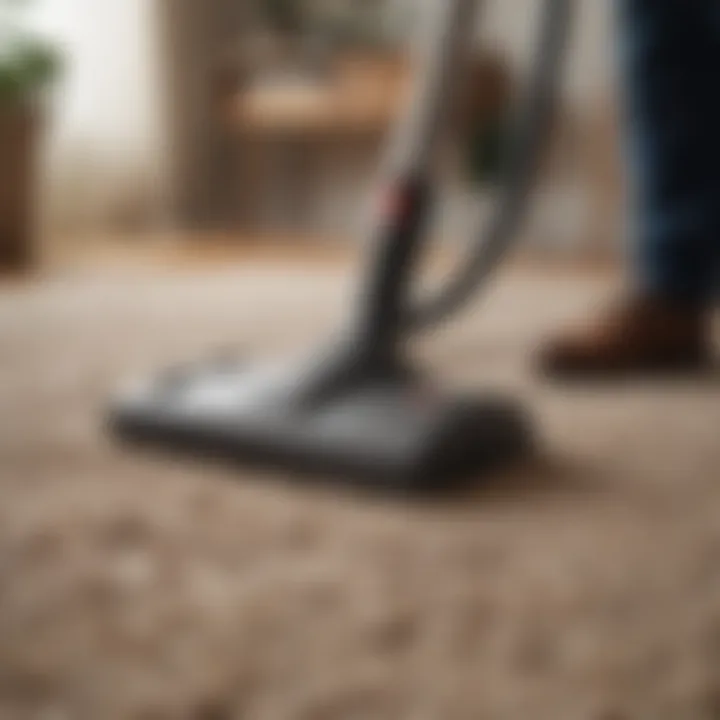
[671, 68]
[670, 63]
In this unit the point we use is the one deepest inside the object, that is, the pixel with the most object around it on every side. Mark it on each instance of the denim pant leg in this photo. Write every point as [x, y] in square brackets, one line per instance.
[671, 68]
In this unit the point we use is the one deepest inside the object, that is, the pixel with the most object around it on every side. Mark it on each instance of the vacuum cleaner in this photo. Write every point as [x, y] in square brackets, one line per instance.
[359, 411]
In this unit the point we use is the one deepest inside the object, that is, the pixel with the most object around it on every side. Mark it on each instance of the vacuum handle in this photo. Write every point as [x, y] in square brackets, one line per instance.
[443, 54]
[403, 216]
[530, 133]
[400, 219]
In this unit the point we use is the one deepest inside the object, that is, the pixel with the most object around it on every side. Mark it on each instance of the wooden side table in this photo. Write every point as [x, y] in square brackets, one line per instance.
[289, 131]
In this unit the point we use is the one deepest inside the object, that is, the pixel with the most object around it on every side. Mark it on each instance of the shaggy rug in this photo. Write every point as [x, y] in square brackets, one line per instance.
[582, 586]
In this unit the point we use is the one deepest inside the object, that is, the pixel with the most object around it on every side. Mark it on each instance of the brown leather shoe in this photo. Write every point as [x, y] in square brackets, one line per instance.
[639, 335]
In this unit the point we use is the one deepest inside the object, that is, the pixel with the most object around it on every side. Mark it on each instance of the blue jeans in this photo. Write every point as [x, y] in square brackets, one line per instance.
[671, 68]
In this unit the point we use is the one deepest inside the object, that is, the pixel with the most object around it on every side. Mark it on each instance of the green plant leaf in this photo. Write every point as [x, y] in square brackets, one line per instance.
[28, 66]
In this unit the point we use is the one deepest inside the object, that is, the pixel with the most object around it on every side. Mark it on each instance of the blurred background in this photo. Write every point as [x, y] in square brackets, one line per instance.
[265, 120]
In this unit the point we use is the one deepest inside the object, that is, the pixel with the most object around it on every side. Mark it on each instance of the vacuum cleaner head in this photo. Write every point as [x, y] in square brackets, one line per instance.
[388, 436]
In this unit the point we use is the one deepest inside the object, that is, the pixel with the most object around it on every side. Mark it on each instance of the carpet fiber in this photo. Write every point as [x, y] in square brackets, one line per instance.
[583, 586]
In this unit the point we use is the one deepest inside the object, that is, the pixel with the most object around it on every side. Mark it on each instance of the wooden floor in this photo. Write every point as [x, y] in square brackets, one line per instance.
[186, 252]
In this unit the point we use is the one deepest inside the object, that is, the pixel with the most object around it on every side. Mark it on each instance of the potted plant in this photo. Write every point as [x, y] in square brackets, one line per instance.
[28, 65]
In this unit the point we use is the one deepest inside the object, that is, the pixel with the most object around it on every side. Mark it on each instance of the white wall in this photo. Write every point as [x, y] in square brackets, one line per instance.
[106, 146]
[511, 23]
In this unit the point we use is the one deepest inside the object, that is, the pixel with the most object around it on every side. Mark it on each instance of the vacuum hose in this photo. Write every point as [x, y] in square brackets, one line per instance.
[531, 130]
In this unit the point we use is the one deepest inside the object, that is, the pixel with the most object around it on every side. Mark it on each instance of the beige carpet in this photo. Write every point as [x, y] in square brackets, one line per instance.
[585, 586]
